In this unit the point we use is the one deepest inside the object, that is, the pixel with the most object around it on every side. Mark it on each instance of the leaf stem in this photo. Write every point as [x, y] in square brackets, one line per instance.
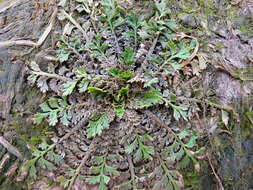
[152, 48]
[41, 73]
[115, 39]
[165, 169]
[85, 158]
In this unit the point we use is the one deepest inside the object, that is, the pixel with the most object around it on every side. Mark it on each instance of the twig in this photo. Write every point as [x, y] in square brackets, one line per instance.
[8, 27]
[27, 53]
[182, 35]
[216, 176]
[131, 168]
[48, 29]
[12, 170]
[87, 155]
[17, 42]
[10, 148]
[5, 158]
[12, 4]
[29, 42]
[71, 19]
[23, 173]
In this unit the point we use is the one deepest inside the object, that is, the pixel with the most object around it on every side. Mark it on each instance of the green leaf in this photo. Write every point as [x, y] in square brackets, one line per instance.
[57, 159]
[150, 82]
[64, 118]
[33, 171]
[183, 134]
[168, 24]
[147, 152]
[83, 86]
[39, 117]
[63, 56]
[97, 124]
[192, 141]
[68, 88]
[45, 164]
[127, 56]
[97, 92]
[112, 171]
[118, 22]
[133, 21]
[30, 166]
[102, 186]
[119, 109]
[43, 145]
[104, 47]
[53, 118]
[138, 155]
[173, 47]
[96, 53]
[129, 34]
[53, 102]
[97, 49]
[96, 169]
[125, 75]
[175, 65]
[45, 107]
[99, 159]
[94, 179]
[121, 95]
[162, 8]
[171, 148]
[182, 54]
[184, 162]
[178, 155]
[152, 97]
[129, 149]
[81, 72]
[155, 59]
[224, 117]
[145, 138]
[64, 182]
[114, 72]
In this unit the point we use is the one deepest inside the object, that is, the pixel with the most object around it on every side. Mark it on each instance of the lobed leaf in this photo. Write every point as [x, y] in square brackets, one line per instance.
[97, 124]
[68, 88]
